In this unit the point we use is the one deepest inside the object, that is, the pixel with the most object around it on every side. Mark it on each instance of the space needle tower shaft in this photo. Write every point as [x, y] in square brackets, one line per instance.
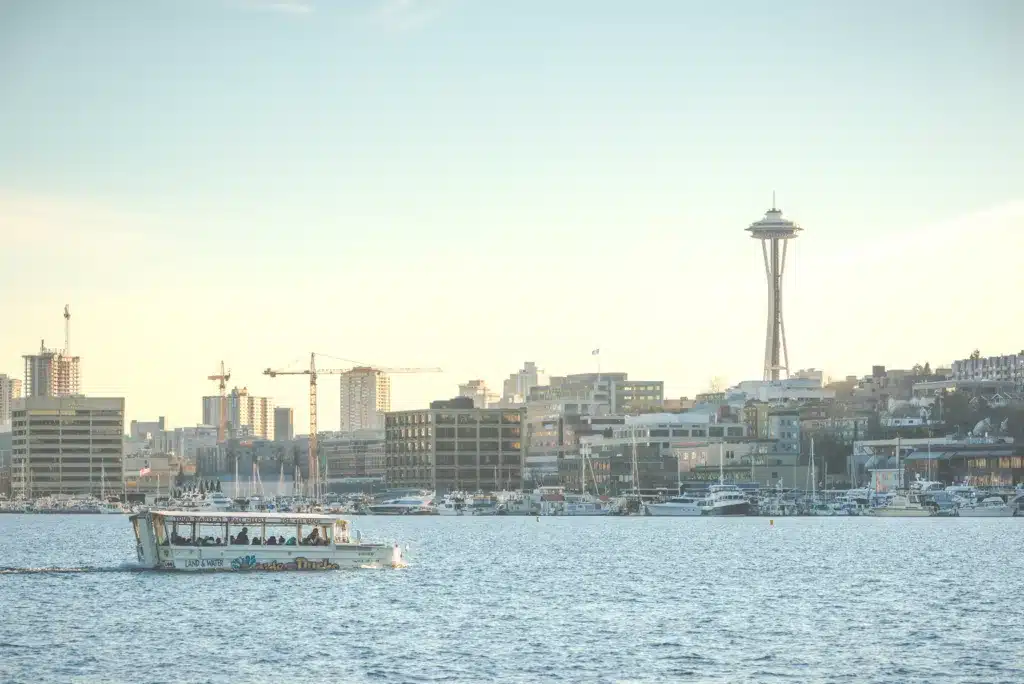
[774, 232]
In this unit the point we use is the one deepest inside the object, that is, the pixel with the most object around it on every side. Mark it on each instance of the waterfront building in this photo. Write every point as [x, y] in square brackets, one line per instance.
[67, 445]
[248, 415]
[453, 446]
[284, 424]
[10, 389]
[352, 455]
[365, 398]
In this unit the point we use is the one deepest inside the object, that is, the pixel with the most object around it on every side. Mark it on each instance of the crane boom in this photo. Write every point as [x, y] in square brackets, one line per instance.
[222, 379]
[315, 479]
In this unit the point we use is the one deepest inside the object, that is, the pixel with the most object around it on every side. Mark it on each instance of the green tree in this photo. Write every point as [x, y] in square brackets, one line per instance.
[975, 355]
[927, 368]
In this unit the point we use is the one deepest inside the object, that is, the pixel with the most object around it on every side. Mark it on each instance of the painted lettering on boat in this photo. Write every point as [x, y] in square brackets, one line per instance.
[300, 563]
[204, 562]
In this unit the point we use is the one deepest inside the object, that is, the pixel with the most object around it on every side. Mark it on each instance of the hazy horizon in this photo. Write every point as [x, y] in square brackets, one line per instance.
[474, 185]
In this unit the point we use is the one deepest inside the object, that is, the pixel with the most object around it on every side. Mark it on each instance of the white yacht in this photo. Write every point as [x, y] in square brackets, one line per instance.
[989, 507]
[216, 501]
[409, 505]
[197, 540]
[453, 504]
[726, 499]
[676, 506]
[904, 505]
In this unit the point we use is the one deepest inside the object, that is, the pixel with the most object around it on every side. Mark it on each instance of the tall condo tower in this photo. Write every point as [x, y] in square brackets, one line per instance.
[774, 232]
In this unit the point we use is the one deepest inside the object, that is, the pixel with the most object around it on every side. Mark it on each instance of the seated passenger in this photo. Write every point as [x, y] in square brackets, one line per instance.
[255, 541]
[312, 538]
[280, 540]
[243, 536]
[271, 541]
[290, 542]
[231, 540]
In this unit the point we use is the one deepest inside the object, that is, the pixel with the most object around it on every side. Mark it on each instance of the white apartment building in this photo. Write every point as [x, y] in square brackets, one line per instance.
[248, 415]
[1006, 368]
[67, 445]
[10, 389]
[365, 398]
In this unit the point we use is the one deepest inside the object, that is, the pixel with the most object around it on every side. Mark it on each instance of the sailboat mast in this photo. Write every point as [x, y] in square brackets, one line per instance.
[721, 462]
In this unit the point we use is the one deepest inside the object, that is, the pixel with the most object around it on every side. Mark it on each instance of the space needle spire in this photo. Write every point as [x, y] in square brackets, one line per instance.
[774, 232]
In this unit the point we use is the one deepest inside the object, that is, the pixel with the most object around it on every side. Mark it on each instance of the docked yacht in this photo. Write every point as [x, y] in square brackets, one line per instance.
[904, 505]
[724, 499]
[197, 540]
[676, 506]
[216, 501]
[408, 505]
[989, 507]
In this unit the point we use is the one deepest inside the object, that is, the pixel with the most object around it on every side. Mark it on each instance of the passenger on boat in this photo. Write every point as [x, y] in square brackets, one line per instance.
[290, 542]
[243, 536]
[255, 541]
[280, 540]
[313, 538]
[271, 541]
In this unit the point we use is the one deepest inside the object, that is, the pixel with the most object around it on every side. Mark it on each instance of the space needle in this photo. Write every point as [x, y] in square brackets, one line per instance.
[774, 232]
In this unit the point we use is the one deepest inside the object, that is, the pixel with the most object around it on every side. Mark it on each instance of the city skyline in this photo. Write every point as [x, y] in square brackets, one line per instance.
[394, 179]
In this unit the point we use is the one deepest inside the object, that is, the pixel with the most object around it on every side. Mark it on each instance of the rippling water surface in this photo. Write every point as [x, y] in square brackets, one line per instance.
[526, 600]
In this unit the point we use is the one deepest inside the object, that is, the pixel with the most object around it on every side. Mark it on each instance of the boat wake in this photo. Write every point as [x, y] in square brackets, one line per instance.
[124, 567]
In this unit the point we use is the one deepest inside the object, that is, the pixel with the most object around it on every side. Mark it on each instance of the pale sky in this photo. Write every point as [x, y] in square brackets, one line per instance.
[471, 184]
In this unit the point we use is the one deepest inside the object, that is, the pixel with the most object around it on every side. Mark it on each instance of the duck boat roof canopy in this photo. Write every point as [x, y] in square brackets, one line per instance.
[204, 517]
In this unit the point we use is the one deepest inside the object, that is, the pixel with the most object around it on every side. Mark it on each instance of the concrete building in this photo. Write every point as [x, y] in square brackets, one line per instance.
[1007, 368]
[477, 391]
[445, 448]
[517, 387]
[145, 429]
[51, 373]
[248, 415]
[351, 456]
[67, 445]
[10, 389]
[284, 424]
[365, 398]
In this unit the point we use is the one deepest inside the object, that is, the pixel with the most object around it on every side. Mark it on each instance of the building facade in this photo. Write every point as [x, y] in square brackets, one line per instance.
[51, 373]
[365, 398]
[455, 449]
[248, 415]
[353, 455]
[477, 391]
[67, 445]
[1006, 368]
[10, 389]
[284, 424]
[517, 386]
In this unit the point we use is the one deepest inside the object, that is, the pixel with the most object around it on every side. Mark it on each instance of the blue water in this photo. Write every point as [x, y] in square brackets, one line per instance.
[522, 600]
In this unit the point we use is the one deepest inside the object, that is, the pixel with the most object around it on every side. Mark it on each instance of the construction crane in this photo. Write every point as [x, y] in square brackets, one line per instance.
[313, 372]
[223, 378]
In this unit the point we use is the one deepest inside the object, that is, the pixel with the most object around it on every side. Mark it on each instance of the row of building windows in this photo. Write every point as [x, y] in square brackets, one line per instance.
[450, 418]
